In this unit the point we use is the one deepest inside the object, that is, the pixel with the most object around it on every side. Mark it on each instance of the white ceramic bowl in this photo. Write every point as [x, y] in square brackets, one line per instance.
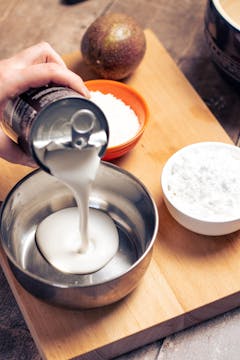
[201, 187]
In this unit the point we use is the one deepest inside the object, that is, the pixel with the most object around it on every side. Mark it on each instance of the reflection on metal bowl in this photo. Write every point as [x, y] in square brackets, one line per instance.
[116, 192]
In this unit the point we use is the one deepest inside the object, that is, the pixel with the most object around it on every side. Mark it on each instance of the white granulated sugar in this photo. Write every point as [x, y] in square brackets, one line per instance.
[205, 182]
[122, 120]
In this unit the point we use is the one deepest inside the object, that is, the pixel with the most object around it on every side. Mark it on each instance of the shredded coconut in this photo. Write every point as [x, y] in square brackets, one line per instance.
[122, 120]
[204, 181]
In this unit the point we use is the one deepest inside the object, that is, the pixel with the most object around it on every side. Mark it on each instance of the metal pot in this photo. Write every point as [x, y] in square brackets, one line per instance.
[223, 38]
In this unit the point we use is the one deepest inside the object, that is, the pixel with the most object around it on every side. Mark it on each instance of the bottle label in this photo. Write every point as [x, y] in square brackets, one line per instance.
[20, 112]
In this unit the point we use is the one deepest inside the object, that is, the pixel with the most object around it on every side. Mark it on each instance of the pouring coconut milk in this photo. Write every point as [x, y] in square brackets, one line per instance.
[66, 135]
[77, 240]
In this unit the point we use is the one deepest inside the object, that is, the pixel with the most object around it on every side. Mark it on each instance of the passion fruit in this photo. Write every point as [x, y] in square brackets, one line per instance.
[113, 46]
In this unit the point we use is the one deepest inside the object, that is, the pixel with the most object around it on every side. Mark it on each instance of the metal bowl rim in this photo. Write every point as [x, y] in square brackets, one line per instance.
[59, 285]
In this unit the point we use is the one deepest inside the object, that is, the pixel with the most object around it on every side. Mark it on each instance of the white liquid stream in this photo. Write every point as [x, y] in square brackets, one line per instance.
[77, 240]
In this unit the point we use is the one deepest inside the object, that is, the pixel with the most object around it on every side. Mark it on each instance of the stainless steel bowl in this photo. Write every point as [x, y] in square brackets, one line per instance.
[116, 192]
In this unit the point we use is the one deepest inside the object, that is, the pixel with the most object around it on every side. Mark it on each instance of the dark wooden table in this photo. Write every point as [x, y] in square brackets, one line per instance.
[179, 26]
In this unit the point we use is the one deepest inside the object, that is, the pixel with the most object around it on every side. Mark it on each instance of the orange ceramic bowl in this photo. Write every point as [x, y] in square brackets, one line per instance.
[131, 98]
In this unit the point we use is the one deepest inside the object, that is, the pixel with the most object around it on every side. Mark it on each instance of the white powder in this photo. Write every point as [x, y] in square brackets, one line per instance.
[122, 120]
[204, 181]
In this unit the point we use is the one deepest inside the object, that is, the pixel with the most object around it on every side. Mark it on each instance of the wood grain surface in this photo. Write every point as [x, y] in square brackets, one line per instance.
[179, 26]
[191, 277]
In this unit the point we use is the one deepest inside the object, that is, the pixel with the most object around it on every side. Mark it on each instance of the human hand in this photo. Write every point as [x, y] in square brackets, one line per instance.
[35, 66]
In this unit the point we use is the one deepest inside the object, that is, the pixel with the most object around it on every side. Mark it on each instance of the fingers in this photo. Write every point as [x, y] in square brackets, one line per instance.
[11, 152]
[39, 53]
[35, 66]
[42, 74]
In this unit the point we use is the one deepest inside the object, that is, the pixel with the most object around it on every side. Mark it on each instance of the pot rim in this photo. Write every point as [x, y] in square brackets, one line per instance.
[225, 15]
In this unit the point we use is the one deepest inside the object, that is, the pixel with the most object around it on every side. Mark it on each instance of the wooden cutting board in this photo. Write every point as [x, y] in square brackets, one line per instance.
[191, 277]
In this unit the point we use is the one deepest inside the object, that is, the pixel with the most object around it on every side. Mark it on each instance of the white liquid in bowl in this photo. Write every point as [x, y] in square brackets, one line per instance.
[58, 238]
[76, 240]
